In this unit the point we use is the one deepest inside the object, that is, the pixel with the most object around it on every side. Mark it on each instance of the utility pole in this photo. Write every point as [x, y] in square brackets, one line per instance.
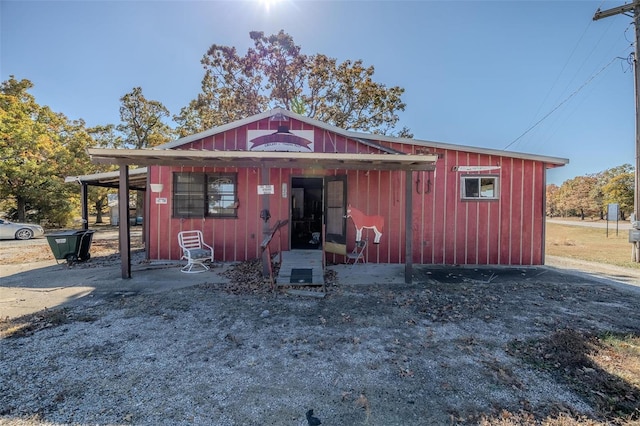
[633, 10]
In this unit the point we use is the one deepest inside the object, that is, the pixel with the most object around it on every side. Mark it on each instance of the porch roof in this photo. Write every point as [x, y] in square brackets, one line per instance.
[257, 159]
[137, 179]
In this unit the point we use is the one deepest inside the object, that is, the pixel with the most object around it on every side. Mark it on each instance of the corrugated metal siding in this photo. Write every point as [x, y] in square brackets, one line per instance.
[445, 228]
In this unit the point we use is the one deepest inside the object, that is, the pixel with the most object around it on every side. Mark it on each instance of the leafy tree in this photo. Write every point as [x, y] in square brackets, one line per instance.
[275, 73]
[616, 185]
[142, 124]
[619, 190]
[574, 198]
[194, 118]
[590, 195]
[38, 148]
[552, 200]
[298, 106]
[597, 195]
[106, 136]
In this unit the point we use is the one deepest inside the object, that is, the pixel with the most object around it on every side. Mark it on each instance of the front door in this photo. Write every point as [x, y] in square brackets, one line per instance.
[335, 211]
[306, 213]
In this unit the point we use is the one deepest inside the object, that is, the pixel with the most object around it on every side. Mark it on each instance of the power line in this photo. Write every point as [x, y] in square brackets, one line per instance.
[555, 123]
[563, 102]
[575, 48]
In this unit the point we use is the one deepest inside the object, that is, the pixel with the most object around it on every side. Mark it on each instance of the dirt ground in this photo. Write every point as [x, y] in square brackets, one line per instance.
[457, 346]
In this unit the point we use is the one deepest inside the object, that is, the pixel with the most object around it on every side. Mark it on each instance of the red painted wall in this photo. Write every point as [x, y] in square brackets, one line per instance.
[446, 229]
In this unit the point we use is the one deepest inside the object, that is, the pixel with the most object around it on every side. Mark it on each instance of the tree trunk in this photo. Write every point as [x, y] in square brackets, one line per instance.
[581, 214]
[21, 209]
[99, 205]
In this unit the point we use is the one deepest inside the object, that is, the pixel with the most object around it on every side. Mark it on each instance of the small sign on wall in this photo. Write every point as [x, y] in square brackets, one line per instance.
[281, 140]
[474, 168]
[266, 190]
[161, 200]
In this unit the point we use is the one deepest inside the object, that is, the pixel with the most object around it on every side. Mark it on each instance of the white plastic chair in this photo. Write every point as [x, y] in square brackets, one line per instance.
[357, 253]
[195, 251]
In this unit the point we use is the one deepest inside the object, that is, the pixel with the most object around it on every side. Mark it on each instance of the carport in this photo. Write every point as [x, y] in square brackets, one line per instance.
[137, 182]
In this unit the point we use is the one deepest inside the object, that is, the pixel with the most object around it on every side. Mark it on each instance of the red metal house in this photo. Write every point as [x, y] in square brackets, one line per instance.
[440, 203]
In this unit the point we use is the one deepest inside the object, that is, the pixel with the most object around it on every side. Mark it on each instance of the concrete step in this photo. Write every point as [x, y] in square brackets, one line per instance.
[301, 267]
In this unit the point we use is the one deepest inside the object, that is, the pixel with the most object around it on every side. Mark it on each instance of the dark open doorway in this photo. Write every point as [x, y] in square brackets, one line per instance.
[306, 213]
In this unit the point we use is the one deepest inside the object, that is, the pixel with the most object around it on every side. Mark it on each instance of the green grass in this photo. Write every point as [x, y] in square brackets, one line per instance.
[592, 244]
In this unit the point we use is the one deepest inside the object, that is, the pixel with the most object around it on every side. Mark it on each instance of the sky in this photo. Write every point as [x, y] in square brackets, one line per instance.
[537, 77]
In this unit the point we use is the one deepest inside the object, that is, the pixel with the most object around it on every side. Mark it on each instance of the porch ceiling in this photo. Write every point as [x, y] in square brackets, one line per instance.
[257, 159]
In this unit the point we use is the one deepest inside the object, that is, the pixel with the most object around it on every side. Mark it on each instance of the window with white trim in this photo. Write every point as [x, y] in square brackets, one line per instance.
[205, 194]
[477, 187]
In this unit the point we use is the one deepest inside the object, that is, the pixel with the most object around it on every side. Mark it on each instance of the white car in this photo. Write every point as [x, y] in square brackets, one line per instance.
[19, 231]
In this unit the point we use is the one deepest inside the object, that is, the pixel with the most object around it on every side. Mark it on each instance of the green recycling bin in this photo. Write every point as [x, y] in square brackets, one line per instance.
[71, 246]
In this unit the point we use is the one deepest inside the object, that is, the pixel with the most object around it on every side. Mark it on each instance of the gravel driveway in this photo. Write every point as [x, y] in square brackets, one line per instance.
[445, 349]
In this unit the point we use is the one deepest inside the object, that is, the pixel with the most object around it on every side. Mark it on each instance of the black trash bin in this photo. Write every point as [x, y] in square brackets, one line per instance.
[71, 246]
